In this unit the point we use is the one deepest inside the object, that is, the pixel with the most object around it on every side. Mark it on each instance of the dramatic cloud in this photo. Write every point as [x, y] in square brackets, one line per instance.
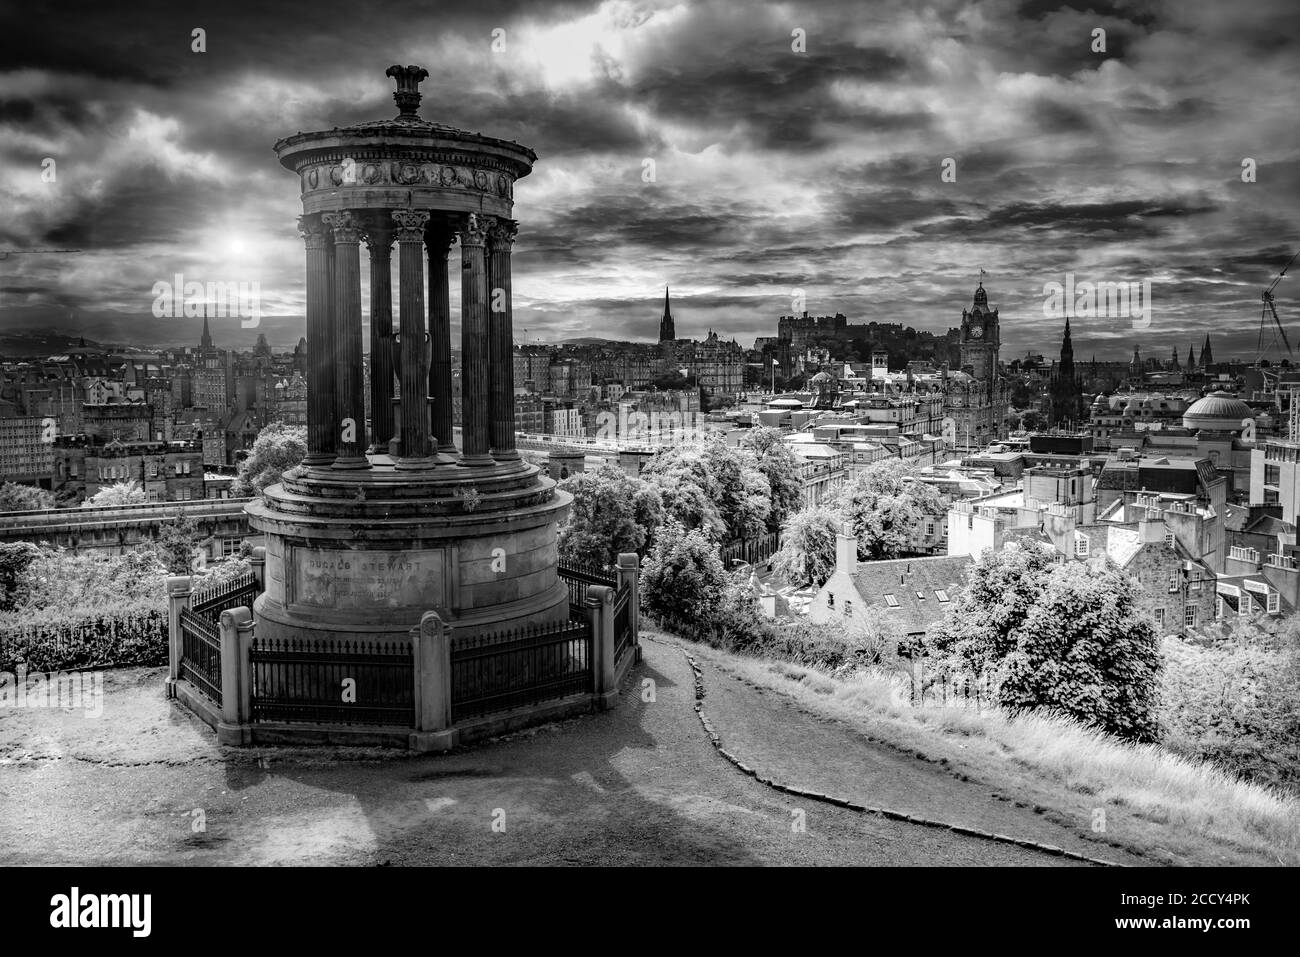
[776, 170]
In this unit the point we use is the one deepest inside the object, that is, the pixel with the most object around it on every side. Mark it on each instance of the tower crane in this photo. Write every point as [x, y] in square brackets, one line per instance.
[1269, 308]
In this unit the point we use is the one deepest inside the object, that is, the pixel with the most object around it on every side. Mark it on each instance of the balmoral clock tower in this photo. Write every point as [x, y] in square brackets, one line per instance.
[977, 403]
[980, 340]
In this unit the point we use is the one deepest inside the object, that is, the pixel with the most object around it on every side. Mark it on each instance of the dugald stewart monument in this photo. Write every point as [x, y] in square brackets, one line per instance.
[409, 591]
[375, 529]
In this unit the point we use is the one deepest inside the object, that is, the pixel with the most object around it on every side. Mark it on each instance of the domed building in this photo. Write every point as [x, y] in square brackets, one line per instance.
[1218, 412]
[825, 389]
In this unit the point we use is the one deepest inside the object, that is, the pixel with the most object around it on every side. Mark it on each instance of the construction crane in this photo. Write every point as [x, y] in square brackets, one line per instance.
[1269, 308]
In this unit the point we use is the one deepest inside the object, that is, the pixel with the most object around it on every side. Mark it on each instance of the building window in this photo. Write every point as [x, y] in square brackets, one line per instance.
[1189, 616]
[891, 601]
[1173, 583]
[1160, 617]
[848, 607]
[830, 599]
[1274, 603]
[941, 594]
[1169, 539]
[1081, 547]
[929, 528]
[1218, 607]
[230, 546]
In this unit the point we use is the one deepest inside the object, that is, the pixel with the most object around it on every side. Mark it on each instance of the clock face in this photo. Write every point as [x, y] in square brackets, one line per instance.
[977, 332]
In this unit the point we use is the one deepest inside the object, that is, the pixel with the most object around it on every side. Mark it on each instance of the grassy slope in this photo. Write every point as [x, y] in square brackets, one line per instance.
[1173, 809]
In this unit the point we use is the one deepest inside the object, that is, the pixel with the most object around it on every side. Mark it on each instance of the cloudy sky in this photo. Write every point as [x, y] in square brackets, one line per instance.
[775, 170]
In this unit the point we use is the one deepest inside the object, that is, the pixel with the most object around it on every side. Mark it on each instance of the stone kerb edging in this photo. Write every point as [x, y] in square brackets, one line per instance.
[862, 808]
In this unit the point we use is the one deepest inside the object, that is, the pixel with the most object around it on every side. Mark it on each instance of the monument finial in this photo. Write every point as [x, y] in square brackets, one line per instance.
[408, 89]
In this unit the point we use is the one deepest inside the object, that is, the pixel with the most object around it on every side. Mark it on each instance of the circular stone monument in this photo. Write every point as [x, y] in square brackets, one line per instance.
[388, 519]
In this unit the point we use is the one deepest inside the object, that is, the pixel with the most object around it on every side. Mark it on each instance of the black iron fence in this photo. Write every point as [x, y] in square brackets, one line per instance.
[200, 662]
[623, 637]
[352, 682]
[237, 592]
[577, 578]
[521, 667]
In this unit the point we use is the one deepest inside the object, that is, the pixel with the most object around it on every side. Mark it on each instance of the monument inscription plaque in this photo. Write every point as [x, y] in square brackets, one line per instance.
[367, 578]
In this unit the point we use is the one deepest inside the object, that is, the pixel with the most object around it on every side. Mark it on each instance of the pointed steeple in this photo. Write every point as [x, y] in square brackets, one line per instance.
[205, 344]
[1173, 364]
[1191, 358]
[1207, 357]
[666, 331]
[1067, 353]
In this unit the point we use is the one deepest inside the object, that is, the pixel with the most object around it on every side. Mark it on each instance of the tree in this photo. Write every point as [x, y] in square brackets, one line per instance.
[24, 498]
[807, 553]
[119, 493]
[277, 448]
[611, 513]
[780, 466]
[1032, 421]
[710, 486]
[745, 497]
[178, 543]
[15, 559]
[682, 580]
[675, 381]
[1063, 637]
[884, 507]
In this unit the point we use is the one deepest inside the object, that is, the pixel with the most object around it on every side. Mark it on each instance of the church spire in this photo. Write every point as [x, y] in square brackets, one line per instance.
[666, 331]
[1207, 357]
[205, 344]
[1191, 358]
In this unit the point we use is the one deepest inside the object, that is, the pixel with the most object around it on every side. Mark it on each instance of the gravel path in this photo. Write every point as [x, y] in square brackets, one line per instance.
[638, 785]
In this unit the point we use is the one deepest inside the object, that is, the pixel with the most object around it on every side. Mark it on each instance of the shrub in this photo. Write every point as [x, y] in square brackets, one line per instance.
[121, 633]
[1236, 703]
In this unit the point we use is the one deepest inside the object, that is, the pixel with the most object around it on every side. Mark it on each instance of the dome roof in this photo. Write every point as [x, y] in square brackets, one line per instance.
[1218, 410]
[823, 377]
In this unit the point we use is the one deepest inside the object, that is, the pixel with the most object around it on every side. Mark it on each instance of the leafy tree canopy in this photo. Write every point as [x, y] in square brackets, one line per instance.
[611, 513]
[1067, 637]
[277, 449]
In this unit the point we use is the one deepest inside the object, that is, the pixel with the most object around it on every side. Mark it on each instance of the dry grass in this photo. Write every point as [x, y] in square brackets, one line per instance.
[1160, 804]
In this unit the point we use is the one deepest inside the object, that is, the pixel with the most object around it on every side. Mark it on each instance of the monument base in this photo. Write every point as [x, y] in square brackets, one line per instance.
[366, 554]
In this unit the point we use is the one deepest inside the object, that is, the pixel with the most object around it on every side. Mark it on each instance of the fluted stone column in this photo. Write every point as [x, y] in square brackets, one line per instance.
[475, 355]
[348, 380]
[438, 239]
[414, 372]
[379, 240]
[501, 342]
[320, 343]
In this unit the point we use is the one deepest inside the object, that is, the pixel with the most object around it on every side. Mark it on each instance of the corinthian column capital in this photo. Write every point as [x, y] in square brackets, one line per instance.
[474, 231]
[347, 228]
[410, 224]
[503, 232]
[314, 233]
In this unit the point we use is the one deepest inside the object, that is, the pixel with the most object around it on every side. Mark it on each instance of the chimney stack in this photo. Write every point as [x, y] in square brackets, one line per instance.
[846, 554]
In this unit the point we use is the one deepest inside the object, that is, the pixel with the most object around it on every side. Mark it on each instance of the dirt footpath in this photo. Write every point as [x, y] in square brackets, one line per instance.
[147, 783]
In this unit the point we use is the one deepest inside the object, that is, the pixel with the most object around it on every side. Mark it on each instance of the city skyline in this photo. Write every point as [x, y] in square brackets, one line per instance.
[774, 170]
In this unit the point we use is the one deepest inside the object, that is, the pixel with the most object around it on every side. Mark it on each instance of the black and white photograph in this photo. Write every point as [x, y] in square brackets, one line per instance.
[651, 433]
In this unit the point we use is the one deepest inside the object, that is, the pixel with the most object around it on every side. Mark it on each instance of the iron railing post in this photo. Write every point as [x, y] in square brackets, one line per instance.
[179, 590]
